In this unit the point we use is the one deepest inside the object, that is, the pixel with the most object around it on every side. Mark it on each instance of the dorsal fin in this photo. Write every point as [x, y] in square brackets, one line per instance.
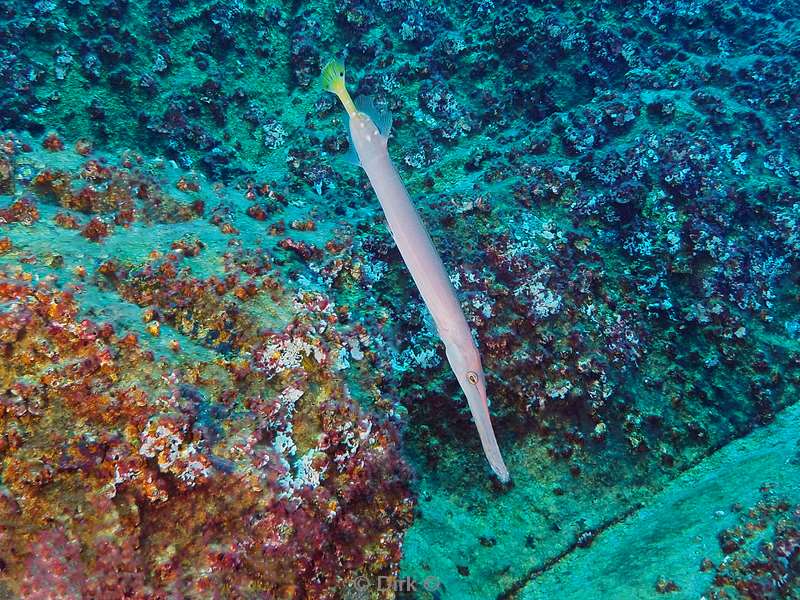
[351, 156]
[382, 117]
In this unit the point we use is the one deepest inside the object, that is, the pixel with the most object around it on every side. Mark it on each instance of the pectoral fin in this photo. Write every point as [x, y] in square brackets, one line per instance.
[382, 117]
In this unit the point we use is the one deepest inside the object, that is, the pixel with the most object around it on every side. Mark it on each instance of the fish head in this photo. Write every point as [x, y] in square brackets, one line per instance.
[465, 361]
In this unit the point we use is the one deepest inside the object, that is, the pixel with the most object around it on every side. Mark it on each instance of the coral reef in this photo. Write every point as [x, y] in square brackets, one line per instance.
[129, 472]
[612, 184]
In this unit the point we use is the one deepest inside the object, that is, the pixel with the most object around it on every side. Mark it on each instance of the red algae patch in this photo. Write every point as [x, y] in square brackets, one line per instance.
[289, 490]
[53, 143]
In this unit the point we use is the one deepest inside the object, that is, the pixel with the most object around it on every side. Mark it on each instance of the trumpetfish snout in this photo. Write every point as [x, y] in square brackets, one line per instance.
[369, 133]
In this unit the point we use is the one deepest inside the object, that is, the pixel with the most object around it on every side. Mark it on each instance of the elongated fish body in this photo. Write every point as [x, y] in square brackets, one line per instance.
[369, 130]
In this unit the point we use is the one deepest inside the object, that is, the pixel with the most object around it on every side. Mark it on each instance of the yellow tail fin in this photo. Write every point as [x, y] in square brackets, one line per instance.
[333, 75]
[333, 82]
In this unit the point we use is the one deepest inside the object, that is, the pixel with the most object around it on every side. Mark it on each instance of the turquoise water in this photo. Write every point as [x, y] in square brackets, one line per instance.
[220, 380]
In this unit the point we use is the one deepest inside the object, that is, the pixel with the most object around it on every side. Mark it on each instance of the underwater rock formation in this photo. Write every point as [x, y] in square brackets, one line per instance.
[613, 186]
[141, 472]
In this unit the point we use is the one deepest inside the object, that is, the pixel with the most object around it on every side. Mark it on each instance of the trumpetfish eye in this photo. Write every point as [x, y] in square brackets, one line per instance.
[472, 377]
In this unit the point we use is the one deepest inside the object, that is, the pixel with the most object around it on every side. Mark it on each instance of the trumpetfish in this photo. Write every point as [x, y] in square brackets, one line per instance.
[369, 134]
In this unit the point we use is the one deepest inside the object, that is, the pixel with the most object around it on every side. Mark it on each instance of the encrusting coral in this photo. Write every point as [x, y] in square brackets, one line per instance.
[133, 473]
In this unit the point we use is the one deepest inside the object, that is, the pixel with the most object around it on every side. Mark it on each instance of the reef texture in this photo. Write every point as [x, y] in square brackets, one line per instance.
[613, 186]
[135, 473]
[762, 553]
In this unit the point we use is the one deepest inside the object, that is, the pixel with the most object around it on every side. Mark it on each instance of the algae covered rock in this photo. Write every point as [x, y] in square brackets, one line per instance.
[228, 459]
